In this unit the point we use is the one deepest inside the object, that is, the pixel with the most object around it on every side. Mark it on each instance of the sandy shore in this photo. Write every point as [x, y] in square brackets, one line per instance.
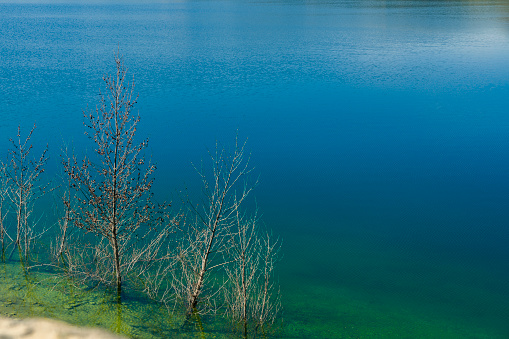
[38, 328]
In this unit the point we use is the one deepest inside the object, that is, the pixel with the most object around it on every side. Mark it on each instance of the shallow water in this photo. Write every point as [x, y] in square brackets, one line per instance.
[379, 130]
[44, 294]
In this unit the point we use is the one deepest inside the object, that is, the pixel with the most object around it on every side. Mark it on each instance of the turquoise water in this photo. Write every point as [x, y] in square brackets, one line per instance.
[379, 130]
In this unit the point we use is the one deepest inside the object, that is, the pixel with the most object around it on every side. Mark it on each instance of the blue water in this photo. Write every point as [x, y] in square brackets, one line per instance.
[380, 130]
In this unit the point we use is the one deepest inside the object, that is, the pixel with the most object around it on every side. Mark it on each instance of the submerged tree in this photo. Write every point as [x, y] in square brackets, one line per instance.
[252, 297]
[21, 179]
[113, 190]
[208, 230]
[224, 259]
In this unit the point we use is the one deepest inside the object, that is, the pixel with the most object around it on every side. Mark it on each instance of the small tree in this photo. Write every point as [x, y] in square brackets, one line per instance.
[22, 179]
[209, 227]
[114, 198]
[252, 297]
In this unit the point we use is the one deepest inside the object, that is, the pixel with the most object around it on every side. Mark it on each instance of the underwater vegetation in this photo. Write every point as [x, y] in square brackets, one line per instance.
[116, 258]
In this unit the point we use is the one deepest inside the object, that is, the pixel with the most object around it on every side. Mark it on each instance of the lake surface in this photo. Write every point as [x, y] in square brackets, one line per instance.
[380, 130]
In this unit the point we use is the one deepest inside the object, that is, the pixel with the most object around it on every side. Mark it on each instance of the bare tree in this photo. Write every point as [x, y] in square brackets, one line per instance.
[208, 229]
[224, 257]
[22, 173]
[252, 297]
[114, 198]
[267, 298]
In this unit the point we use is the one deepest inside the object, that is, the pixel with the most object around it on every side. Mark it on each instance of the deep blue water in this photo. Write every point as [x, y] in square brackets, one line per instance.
[382, 125]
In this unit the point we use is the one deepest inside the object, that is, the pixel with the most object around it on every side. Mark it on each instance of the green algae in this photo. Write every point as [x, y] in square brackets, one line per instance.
[43, 294]
[50, 295]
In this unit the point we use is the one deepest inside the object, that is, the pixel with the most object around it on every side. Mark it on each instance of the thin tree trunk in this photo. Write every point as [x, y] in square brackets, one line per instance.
[203, 269]
[117, 260]
[115, 197]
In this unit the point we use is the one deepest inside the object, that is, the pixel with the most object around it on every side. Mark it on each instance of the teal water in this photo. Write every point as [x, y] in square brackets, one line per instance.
[379, 130]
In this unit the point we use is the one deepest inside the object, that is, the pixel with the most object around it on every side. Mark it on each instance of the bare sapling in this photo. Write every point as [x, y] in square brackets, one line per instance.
[242, 272]
[114, 200]
[24, 188]
[208, 229]
[252, 297]
[267, 298]
[64, 222]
